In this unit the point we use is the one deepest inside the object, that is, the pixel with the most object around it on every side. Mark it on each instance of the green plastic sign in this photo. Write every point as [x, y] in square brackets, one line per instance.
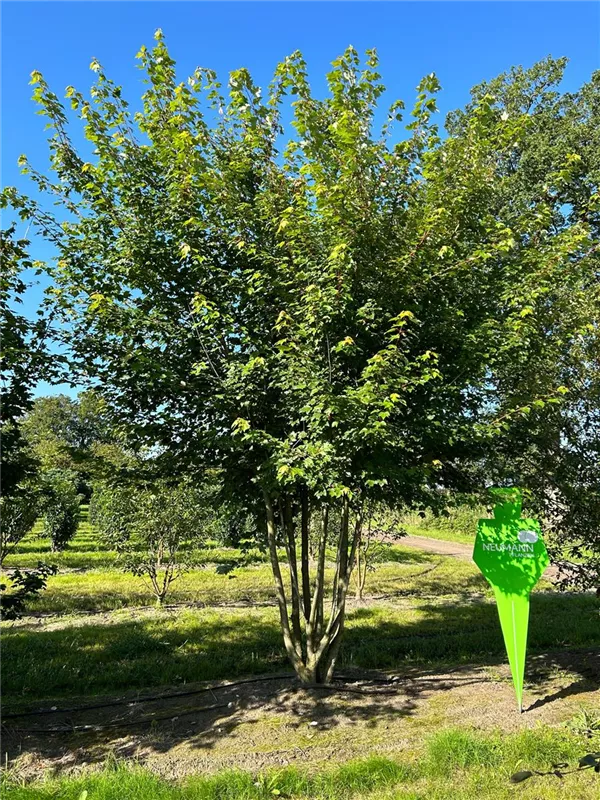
[512, 556]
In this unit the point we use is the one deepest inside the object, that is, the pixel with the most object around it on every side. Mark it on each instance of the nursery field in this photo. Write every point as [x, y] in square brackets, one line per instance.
[321, 350]
[105, 693]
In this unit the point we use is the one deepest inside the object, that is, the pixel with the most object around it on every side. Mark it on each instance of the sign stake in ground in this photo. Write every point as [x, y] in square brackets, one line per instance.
[512, 556]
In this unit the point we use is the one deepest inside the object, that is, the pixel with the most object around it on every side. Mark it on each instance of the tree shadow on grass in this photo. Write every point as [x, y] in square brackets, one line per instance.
[251, 712]
[469, 631]
[542, 669]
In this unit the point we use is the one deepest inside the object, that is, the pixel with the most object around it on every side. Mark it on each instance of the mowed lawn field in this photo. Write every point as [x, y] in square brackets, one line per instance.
[196, 699]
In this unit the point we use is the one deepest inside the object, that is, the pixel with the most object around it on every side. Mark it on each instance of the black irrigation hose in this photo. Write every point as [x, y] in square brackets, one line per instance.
[130, 723]
[146, 699]
[217, 706]
[125, 724]
[166, 696]
[68, 729]
[210, 688]
[261, 679]
[277, 676]
[172, 695]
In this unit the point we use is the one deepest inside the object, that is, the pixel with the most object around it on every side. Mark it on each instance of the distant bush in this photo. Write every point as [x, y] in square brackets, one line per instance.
[18, 514]
[154, 530]
[61, 508]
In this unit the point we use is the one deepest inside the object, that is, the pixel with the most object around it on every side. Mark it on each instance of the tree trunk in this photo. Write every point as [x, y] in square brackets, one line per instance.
[359, 584]
[304, 554]
[290, 545]
[292, 648]
[311, 646]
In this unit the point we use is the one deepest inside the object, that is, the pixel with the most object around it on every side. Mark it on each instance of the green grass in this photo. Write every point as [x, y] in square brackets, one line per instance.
[406, 572]
[452, 765]
[135, 650]
[123, 783]
[422, 610]
[462, 748]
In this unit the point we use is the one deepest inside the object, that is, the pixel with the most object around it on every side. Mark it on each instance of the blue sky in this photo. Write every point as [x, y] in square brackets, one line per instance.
[463, 42]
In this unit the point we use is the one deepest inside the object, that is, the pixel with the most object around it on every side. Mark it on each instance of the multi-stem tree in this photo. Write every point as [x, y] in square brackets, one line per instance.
[342, 317]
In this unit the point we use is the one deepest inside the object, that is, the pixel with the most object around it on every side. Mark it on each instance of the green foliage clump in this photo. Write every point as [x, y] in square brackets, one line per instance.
[154, 530]
[18, 513]
[25, 585]
[24, 360]
[75, 435]
[61, 507]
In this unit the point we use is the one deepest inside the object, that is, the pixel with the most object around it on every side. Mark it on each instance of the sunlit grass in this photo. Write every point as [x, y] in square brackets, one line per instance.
[444, 534]
[404, 572]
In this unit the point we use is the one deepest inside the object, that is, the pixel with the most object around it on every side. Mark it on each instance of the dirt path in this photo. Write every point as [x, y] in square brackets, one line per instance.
[441, 547]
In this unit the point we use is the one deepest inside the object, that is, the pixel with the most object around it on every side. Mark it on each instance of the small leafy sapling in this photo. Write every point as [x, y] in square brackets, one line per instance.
[382, 527]
[25, 585]
[18, 513]
[154, 530]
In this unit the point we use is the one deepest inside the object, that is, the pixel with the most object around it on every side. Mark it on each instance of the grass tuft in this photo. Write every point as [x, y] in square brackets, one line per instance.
[460, 749]
[539, 748]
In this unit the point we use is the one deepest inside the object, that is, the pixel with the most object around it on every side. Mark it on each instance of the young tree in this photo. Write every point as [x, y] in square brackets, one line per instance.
[25, 585]
[153, 530]
[339, 319]
[60, 505]
[371, 549]
[18, 514]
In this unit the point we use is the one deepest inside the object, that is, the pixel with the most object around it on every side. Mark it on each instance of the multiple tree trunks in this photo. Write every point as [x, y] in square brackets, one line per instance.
[312, 637]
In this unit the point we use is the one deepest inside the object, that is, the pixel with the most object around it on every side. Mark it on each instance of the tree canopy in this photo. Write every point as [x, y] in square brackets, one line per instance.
[75, 435]
[24, 360]
[345, 315]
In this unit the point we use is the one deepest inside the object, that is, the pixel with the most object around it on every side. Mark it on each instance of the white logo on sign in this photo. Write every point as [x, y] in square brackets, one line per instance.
[528, 536]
